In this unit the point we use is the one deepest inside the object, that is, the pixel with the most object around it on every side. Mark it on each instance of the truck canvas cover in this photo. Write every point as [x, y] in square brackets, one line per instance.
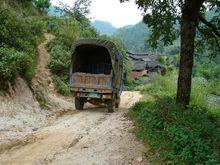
[91, 50]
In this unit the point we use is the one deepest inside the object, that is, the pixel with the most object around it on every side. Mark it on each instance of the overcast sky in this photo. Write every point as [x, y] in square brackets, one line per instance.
[119, 14]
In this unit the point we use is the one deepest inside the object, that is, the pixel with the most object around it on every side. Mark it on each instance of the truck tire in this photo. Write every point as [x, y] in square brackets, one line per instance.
[117, 102]
[79, 103]
[111, 106]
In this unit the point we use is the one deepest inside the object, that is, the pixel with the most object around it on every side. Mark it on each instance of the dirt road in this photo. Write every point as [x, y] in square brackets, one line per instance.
[91, 136]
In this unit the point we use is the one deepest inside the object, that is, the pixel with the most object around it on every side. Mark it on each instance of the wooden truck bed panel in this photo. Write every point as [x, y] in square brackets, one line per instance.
[87, 80]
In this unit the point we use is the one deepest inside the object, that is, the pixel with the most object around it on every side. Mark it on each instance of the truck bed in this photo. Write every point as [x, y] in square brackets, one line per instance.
[85, 81]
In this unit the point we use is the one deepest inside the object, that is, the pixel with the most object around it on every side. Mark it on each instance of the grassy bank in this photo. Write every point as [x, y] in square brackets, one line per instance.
[178, 135]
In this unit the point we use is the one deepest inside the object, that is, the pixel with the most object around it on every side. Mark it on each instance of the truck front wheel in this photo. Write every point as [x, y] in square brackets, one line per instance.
[79, 103]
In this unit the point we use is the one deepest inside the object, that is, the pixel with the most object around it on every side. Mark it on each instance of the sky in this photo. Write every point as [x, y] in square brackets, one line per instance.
[118, 14]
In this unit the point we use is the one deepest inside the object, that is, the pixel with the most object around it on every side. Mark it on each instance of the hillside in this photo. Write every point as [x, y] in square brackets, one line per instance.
[134, 37]
[104, 27]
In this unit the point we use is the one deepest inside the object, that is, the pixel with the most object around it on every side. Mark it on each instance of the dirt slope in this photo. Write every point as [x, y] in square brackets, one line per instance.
[92, 136]
[42, 82]
[20, 113]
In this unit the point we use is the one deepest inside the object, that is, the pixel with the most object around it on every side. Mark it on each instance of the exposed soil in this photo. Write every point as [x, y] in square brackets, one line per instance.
[32, 135]
[91, 136]
[20, 112]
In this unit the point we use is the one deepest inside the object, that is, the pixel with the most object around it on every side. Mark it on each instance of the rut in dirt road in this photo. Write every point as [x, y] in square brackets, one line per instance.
[92, 136]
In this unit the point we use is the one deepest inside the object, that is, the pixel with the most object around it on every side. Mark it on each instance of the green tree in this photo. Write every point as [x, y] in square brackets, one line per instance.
[163, 16]
[79, 10]
[42, 5]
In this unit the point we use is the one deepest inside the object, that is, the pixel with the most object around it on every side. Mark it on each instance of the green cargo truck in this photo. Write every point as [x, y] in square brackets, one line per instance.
[96, 73]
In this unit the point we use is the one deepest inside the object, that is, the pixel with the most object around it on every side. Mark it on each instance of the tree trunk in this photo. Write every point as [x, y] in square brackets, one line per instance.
[188, 29]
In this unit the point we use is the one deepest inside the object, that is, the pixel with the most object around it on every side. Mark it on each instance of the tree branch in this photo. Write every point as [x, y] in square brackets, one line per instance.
[214, 36]
[207, 23]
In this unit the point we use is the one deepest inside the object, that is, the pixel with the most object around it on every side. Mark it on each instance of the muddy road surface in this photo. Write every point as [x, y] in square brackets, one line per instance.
[91, 136]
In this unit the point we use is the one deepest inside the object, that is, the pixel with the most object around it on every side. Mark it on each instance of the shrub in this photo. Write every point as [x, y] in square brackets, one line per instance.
[18, 42]
[136, 85]
[207, 69]
[181, 136]
[162, 85]
[19, 32]
[61, 86]
[37, 25]
[59, 65]
[60, 60]
[66, 30]
[13, 62]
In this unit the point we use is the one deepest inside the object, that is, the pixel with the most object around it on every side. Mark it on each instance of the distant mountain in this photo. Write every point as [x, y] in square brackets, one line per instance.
[128, 26]
[104, 27]
[134, 36]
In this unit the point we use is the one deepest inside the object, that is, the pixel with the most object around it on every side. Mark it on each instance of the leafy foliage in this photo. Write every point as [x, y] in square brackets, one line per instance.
[67, 29]
[207, 68]
[201, 89]
[79, 9]
[132, 85]
[42, 5]
[181, 136]
[18, 42]
[60, 59]
[18, 32]
[13, 62]
[61, 86]
[165, 16]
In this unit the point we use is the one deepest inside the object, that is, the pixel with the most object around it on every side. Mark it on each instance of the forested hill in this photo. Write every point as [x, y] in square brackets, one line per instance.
[104, 27]
[134, 37]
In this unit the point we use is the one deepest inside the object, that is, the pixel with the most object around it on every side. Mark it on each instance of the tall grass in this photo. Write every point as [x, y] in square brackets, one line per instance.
[201, 89]
[179, 135]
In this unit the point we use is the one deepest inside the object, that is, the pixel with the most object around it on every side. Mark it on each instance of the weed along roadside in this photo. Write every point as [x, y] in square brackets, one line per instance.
[174, 133]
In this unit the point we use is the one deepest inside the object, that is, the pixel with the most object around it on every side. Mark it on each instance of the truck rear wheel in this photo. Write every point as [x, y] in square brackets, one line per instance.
[111, 106]
[79, 103]
[117, 102]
